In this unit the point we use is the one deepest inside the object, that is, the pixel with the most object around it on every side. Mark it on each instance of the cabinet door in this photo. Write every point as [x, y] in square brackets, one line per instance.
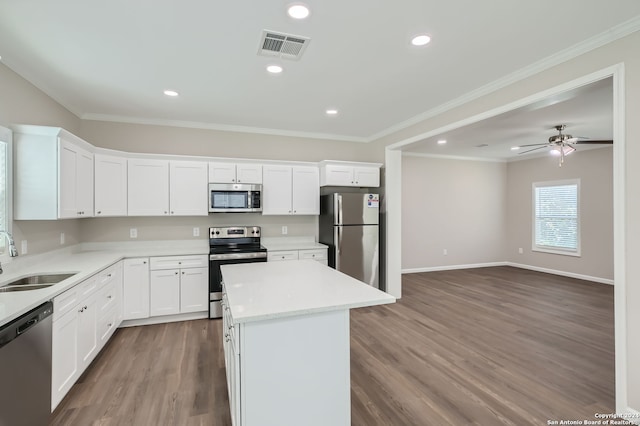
[87, 331]
[84, 183]
[276, 190]
[135, 288]
[110, 185]
[67, 178]
[306, 190]
[188, 188]
[222, 172]
[339, 175]
[64, 360]
[367, 176]
[164, 292]
[194, 290]
[249, 173]
[148, 187]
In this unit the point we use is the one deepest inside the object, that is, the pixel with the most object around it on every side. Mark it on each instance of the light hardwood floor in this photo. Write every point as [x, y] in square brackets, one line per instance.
[487, 346]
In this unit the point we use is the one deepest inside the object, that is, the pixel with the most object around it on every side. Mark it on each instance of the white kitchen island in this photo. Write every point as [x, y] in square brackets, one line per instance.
[286, 342]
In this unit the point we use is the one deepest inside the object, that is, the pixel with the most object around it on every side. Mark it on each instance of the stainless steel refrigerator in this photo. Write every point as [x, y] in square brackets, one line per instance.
[349, 226]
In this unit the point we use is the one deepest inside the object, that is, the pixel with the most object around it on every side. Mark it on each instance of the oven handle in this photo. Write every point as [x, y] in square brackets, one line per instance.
[235, 256]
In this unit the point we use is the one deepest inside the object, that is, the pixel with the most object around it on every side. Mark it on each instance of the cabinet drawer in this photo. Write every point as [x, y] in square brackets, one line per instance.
[315, 254]
[107, 276]
[65, 302]
[87, 287]
[108, 297]
[107, 325]
[273, 256]
[177, 262]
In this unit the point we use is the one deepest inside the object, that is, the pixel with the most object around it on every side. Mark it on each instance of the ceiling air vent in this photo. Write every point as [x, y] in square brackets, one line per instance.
[280, 45]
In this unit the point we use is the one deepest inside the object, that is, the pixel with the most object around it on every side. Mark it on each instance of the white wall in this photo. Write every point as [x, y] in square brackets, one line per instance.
[594, 168]
[456, 205]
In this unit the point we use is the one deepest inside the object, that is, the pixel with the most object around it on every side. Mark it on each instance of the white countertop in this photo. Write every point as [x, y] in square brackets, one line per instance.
[261, 291]
[290, 243]
[85, 260]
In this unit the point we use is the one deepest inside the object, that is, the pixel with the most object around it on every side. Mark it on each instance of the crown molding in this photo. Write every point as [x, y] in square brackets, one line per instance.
[602, 39]
[220, 127]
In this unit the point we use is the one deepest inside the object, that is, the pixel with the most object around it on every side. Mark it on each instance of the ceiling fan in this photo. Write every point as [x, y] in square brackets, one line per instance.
[562, 144]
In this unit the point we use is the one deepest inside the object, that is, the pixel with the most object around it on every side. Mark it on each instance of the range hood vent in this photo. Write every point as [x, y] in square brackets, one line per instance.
[281, 45]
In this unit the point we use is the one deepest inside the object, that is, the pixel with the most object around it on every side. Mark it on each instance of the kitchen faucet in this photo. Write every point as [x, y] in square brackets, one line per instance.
[13, 252]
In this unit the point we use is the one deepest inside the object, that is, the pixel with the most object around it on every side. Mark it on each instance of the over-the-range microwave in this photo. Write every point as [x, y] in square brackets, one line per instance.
[234, 197]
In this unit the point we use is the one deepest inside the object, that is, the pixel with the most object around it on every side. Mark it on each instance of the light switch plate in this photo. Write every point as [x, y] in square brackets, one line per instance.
[23, 247]
[284, 230]
[196, 232]
[133, 233]
[61, 238]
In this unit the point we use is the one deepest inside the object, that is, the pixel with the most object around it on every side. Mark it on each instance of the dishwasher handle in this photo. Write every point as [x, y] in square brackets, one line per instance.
[20, 325]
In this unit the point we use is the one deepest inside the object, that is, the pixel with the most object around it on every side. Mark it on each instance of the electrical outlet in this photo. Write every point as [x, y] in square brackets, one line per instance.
[284, 230]
[23, 247]
[133, 233]
[196, 232]
[520, 251]
[445, 252]
[61, 238]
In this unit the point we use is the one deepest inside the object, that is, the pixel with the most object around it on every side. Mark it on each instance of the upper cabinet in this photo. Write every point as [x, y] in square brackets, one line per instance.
[110, 174]
[53, 172]
[223, 172]
[342, 173]
[164, 188]
[290, 190]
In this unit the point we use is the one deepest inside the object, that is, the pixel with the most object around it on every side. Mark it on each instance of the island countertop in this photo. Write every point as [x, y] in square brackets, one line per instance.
[269, 290]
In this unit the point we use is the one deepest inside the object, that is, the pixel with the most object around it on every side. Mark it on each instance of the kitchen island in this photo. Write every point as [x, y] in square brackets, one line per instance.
[286, 341]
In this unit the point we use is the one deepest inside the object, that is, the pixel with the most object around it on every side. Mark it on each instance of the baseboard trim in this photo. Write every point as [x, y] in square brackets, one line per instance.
[515, 265]
[632, 416]
[163, 319]
[562, 273]
[452, 267]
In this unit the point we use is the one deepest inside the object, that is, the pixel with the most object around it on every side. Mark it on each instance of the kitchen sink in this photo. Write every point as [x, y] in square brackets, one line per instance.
[34, 282]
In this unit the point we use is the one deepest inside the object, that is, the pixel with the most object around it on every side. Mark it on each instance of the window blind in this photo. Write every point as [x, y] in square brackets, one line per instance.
[556, 216]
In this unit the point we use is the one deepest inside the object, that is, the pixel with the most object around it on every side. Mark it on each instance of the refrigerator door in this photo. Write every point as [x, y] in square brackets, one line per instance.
[357, 209]
[356, 252]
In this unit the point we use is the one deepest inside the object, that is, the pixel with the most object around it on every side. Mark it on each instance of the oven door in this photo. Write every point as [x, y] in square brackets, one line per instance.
[215, 275]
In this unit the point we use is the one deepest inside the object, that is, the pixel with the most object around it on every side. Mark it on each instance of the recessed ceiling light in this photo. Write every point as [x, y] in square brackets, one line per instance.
[274, 69]
[515, 148]
[442, 142]
[298, 11]
[332, 112]
[171, 93]
[420, 40]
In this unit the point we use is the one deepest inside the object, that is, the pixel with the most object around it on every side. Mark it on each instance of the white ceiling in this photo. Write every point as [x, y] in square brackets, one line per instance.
[112, 59]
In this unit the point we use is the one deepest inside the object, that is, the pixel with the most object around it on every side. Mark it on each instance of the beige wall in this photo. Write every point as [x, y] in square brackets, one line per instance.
[621, 51]
[594, 168]
[451, 204]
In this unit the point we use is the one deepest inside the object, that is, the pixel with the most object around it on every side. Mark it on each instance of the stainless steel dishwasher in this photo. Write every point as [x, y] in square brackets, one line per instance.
[25, 368]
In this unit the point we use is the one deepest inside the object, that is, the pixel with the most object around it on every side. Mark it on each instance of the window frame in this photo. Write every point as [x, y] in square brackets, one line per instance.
[551, 249]
[7, 135]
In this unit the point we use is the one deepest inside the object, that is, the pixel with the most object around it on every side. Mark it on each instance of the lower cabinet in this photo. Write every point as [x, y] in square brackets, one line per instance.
[319, 255]
[85, 317]
[178, 285]
[136, 288]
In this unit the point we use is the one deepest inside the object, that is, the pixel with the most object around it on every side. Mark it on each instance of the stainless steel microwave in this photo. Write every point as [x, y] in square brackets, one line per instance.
[234, 197]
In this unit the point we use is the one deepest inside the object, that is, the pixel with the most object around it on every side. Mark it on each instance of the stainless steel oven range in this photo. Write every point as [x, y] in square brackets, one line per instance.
[230, 245]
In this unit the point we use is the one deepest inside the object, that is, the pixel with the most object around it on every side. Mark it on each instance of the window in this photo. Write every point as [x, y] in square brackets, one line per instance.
[556, 220]
[5, 187]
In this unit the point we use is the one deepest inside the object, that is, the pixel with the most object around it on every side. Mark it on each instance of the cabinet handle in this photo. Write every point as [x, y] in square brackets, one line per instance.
[182, 272]
[109, 297]
[171, 211]
[109, 325]
[99, 212]
[109, 275]
[289, 211]
[176, 273]
[144, 262]
[81, 310]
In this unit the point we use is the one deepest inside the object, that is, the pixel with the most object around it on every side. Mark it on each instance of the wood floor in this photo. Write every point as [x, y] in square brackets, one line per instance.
[487, 346]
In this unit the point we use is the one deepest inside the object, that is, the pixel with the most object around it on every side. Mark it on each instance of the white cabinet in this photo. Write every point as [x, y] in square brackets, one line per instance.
[290, 190]
[179, 284]
[148, 187]
[79, 329]
[110, 185]
[188, 188]
[224, 172]
[53, 174]
[163, 188]
[319, 255]
[136, 289]
[341, 173]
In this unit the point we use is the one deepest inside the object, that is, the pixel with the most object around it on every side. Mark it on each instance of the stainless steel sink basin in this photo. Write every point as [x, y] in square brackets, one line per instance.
[34, 282]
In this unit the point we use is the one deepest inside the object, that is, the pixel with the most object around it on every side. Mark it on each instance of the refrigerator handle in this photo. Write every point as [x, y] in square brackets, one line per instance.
[337, 237]
[339, 209]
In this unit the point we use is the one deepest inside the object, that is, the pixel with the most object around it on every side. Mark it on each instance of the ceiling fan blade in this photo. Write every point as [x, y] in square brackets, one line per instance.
[608, 142]
[534, 144]
[534, 149]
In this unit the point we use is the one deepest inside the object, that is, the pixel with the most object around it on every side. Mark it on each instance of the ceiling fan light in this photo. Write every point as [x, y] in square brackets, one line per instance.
[566, 150]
